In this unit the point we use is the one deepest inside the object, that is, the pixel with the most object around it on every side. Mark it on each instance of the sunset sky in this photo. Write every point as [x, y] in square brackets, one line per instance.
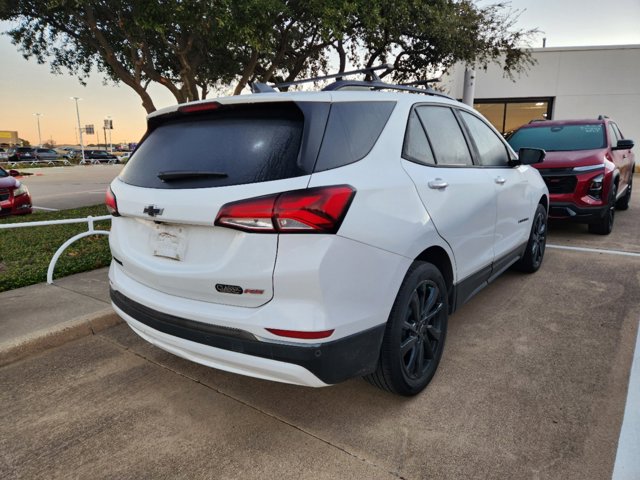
[28, 88]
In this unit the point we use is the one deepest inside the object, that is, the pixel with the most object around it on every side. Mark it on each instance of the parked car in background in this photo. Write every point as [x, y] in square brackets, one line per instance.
[311, 237]
[3, 154]
[21, 154]
[46, 154]
[588, 168]
[101, 156]
[14, 196]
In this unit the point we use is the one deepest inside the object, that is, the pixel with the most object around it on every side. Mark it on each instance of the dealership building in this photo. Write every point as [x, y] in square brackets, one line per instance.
[564, 83]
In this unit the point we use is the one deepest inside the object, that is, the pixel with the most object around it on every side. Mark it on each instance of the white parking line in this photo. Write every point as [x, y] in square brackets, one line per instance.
[47, 209]
[627, 464]
[594, 250]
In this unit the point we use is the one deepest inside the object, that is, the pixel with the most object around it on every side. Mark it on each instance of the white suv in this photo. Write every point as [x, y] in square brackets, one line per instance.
[313, 237]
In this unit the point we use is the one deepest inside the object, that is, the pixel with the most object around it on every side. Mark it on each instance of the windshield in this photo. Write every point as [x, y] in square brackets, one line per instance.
[560, 138]
[3, 173]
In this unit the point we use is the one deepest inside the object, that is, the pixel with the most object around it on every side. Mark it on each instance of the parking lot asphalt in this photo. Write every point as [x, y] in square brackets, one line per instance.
[58, 188]
[532, 384]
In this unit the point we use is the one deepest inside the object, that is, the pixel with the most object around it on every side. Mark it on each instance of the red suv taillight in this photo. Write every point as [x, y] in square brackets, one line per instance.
[313, 210]
[112, 204]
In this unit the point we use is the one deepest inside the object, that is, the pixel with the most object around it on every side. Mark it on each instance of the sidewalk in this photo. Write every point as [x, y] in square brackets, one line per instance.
[42, 316]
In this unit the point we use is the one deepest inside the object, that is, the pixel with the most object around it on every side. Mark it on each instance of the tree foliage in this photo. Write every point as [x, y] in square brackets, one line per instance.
[191, 47]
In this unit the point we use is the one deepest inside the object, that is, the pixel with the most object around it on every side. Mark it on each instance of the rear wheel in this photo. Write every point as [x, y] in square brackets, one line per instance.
[415, 333]
[623, 203]
[604, 225]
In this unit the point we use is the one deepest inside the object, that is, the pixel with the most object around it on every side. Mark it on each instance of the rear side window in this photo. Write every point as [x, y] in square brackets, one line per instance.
[352, 130]
[416, 146]
[445, 136]
[232, 147]
[490, 148]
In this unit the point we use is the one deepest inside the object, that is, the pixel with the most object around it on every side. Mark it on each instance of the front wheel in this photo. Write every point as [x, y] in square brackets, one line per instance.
[604, 225]
[534, 253]
[415, 333]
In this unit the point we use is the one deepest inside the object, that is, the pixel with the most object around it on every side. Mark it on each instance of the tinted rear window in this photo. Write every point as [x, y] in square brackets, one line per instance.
[251, 144]
[560, 137]
[352, 131]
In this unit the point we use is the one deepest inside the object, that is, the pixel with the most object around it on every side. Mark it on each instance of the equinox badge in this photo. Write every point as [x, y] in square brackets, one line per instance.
[152, 210]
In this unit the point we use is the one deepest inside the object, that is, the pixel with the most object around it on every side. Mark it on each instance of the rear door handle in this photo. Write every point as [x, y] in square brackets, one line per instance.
[438, 184]
[501, 180]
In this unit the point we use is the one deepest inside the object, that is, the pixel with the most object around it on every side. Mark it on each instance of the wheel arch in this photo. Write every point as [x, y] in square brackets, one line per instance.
[439, 257]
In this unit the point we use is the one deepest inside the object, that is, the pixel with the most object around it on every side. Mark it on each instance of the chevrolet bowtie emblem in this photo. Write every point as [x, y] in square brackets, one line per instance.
[152, 210]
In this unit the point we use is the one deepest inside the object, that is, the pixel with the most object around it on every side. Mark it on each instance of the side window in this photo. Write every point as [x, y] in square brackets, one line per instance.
[490, 148]
[445, 136]
[416, 146]
[617, 130]
[613, 136]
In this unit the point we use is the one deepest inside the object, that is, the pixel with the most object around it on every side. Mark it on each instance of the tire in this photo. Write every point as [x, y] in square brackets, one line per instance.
[534, 253]
[604, 225]
[623, 203]
[415, 333]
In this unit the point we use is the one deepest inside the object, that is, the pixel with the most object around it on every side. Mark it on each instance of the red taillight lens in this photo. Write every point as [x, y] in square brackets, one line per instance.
[110, 201]
[199, 107]
[313, 210]
[299, 334]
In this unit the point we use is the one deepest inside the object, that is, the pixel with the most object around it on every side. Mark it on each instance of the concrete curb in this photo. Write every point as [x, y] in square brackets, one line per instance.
[57, 335]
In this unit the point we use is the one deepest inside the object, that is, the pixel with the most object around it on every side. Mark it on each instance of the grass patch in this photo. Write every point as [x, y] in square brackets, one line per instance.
[25, 253]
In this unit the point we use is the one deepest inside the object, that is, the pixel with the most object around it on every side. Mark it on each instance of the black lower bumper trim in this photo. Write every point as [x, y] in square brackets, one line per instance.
[332, 362]
[572, 213]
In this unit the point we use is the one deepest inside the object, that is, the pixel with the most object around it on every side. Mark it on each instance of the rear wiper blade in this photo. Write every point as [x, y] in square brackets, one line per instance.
[186, 174]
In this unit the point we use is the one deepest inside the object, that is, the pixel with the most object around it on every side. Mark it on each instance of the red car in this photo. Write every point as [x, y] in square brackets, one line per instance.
[588, 168]
[14, 196]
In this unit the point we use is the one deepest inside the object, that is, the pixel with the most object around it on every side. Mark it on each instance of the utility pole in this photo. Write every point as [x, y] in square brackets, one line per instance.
[37, 115]
[79, 127]
[110, 129]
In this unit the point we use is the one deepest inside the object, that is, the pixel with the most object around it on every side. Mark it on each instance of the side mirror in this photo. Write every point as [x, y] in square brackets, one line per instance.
[14, 173]
[624, 144]
[529, 156]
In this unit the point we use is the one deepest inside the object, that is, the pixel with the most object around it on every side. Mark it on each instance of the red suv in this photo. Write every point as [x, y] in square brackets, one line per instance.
[14, 196]
[588, 168]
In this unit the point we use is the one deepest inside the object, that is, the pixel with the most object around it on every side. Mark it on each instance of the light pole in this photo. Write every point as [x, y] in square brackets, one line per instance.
[37, 115]
[110, 128]
[79, 127]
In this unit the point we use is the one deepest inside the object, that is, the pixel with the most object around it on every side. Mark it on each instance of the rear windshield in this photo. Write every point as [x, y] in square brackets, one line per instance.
[231, 146]
[560, 137]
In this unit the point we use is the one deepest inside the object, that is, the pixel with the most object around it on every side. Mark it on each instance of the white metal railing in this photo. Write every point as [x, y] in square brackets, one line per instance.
[91, 231]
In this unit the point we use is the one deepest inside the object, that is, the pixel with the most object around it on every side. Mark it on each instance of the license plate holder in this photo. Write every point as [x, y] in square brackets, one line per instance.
[169, 242]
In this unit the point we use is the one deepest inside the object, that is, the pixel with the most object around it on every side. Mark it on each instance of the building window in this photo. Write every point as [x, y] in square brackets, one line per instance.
[507, 114]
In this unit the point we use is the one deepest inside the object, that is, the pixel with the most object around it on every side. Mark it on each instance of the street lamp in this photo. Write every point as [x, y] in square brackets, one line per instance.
[79, 127]
[37, 115]
[110, 128]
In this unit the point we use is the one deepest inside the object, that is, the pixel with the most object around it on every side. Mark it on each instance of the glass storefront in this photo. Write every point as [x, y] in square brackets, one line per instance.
[508, 114]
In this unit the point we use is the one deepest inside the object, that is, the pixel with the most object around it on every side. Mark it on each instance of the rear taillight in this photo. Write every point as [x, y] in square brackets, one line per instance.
[313, 210]
[110, 201]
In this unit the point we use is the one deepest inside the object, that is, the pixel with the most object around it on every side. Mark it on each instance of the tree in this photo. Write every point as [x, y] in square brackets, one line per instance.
[193, 46]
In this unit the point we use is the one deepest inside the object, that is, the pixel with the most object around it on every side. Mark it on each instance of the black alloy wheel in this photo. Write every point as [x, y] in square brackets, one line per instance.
[604, 226]
[421, 330]
[415, 333]
[534, 252]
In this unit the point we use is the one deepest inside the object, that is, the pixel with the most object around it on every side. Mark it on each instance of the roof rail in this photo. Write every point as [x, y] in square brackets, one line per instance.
[602, 117]
[257, 87]
[383, 86]
[375, 84]
[536, 120]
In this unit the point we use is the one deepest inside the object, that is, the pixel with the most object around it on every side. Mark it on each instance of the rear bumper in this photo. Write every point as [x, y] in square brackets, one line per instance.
[241, 352]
